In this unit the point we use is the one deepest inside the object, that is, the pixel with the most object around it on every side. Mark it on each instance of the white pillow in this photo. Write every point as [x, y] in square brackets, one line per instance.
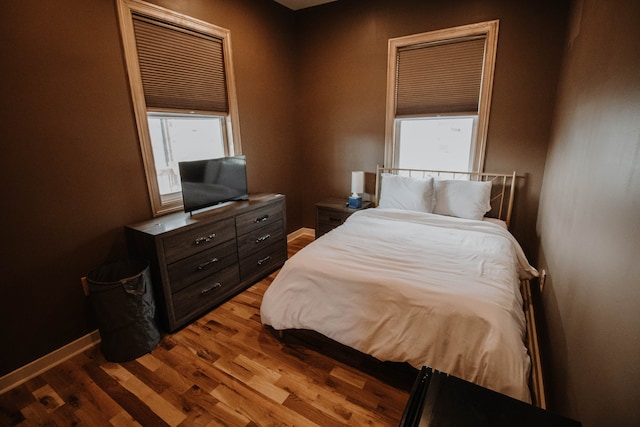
[404, 192]
[463, 199]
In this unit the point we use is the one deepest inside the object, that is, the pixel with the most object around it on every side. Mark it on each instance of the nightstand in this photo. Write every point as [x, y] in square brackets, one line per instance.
[333, 212]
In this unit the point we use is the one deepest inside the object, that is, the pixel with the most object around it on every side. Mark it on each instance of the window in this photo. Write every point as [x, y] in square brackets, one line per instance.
[183, 92]
[439, 143]
[181, 137]
[438, 97]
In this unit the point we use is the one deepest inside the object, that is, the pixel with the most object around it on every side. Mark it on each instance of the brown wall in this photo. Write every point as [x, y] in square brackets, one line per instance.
[589, 222]
[72, 173]
[343, 59]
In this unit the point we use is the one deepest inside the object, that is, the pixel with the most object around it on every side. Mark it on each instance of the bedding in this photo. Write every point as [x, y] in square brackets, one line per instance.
[496, 221]
[408, 286]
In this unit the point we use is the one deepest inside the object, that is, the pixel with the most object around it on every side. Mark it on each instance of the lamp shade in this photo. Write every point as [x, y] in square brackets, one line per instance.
[357, 182]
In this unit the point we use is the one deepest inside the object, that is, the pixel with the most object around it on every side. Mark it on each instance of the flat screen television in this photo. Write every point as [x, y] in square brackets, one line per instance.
[210, 182]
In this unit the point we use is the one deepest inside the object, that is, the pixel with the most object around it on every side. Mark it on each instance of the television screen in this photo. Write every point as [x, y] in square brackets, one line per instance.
[210, 182]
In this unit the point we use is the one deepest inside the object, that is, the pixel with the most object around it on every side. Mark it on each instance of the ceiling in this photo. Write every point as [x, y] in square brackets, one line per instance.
[301, 4]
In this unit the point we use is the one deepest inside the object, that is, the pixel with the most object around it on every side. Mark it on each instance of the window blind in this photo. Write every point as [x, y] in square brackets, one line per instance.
[180, 69]
[439, 77]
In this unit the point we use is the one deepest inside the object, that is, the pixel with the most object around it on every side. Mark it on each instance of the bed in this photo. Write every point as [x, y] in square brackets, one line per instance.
[430, 276]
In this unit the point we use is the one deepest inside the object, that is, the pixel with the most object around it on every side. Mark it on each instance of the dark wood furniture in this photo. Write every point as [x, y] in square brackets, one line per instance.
[442, 400]
[199, 261]
[333, 212]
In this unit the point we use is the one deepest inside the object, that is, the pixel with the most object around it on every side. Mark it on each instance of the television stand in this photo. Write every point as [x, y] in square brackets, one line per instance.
[198, 262]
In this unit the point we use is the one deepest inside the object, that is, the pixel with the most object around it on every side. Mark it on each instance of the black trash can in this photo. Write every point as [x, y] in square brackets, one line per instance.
[121, 296]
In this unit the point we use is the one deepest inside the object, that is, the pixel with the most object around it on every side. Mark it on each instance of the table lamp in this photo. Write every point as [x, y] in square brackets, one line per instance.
[357, 186]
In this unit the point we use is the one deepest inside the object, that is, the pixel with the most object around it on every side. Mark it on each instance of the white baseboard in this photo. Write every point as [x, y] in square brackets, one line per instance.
[35, 368]
[301, 232]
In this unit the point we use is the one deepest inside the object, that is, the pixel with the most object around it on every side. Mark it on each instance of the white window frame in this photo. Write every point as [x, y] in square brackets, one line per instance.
[489, 29]
[164, 204]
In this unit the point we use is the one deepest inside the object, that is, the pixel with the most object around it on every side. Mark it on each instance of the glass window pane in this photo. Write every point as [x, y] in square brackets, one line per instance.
[176, 138]
[439, 143]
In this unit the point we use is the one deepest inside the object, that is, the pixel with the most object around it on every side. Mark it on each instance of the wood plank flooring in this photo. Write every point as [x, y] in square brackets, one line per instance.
[225, 369]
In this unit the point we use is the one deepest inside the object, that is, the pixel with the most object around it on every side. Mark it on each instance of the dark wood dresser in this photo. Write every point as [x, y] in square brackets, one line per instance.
[199, 261]
[442, 400]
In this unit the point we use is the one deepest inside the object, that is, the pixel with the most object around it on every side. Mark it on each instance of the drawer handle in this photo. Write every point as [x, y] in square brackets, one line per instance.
[262, 218]
[265, 259]
[263, 238]
[210, 288]
[205, 264]
[205, 239]
[335, 219]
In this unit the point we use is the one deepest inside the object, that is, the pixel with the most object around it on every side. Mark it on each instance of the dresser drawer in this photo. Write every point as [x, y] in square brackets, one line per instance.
[203, 295]
[263, 261]
[197, 239]
[260, 238]
[258, 218]
[189, 270]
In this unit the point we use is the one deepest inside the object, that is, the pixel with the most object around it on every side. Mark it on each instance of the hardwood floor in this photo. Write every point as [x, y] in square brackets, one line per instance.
[225, 369]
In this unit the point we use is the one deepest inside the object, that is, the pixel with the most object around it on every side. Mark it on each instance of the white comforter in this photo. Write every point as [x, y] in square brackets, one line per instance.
[412, 287]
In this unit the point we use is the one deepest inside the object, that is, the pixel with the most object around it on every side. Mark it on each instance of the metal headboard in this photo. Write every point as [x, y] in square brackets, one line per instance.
[502, 190]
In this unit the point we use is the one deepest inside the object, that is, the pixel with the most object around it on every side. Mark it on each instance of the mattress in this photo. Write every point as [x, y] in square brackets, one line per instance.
[413, 287]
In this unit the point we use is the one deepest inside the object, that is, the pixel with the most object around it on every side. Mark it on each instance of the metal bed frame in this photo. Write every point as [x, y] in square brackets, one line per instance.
[502, 199]
[502, 190]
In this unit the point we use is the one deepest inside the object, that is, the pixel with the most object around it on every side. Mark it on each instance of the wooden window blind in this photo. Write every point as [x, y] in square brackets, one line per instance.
[180, 68]
[441, 77]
